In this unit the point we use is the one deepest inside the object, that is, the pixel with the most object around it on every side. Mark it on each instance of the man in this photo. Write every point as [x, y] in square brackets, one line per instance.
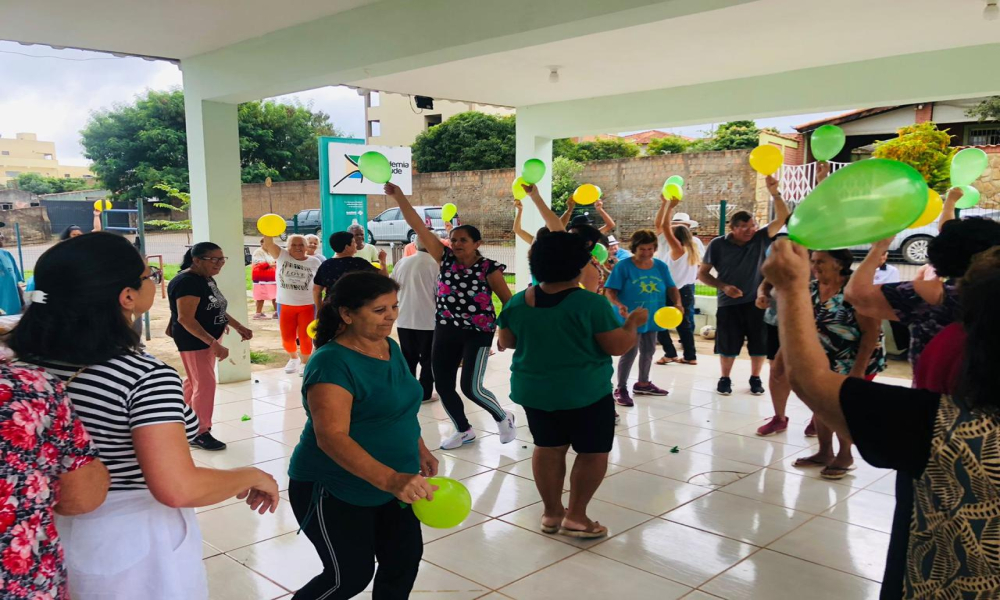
[417, 277]
[10, 275]
[616, 251]
[365, 251]
[736, 258]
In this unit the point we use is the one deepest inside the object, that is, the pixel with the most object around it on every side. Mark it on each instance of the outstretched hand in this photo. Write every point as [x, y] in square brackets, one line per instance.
[954, 195]
[392, 190]
[772, 185]
[788, 266]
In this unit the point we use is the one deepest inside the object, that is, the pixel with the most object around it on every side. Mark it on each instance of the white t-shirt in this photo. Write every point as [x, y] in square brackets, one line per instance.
[369, 253]
[681, 270]
[417, 277]
[295, 279]
[889, 275]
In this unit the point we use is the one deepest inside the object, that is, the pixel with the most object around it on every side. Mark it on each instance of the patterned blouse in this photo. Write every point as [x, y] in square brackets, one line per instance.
[840, 333]
[464, 295]
[600, 275]
[924, 320]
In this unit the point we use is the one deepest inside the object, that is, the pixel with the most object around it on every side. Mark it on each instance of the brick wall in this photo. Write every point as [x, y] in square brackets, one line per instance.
[923, 112]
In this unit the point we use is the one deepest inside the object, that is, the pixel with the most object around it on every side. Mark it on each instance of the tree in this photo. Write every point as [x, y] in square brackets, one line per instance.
[987, 110]
[668, 145]
[468, 141]
[925, 148]
[183, 200]
[600, 150]
[138, 146]
[564, 183]
[40, 184]
[736, 135]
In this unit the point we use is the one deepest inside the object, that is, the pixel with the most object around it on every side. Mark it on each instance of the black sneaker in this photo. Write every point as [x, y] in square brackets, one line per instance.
[205, 441]
[725, 386]
[756, 386]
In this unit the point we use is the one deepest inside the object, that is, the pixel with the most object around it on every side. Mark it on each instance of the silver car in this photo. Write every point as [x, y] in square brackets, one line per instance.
[389, 225]
[912, 244]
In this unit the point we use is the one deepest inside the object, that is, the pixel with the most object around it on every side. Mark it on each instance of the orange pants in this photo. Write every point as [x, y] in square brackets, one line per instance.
[293, 323]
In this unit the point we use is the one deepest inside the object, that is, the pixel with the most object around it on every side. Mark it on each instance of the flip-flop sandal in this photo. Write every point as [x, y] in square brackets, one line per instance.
[682, 361]
[808, 461]
[835, 473]
[596, 530]
[665, 361]
[550, 528]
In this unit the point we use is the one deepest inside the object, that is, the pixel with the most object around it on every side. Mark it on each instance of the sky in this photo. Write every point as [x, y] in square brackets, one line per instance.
[52, 93]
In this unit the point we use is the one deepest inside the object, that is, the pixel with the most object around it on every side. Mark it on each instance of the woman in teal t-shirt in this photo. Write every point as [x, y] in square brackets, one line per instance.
[563, 339]
[360, 455]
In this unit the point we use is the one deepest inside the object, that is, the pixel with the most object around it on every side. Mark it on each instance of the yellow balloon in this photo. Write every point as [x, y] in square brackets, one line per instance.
[102, 205]
[933, 210]
[517, 189]
[586, 194]
[766, 159]
[271, 225]
[311, 329]
[377, 265]
[668, 317]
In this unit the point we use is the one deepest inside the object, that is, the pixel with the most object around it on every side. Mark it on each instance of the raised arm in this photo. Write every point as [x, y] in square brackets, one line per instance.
[518, 230]
[660, 212]
[566, 216]
[97, 221]
[609, 223]
[676, 250]
[781, 211]
[948, 211]
[553, 222]
[267, 243]
[431, 241]
[861, 291]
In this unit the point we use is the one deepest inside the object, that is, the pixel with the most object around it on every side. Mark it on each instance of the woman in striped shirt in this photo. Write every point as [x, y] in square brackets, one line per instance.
[144, 541]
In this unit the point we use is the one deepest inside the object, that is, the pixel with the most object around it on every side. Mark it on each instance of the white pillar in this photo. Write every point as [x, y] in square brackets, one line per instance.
[531, 145]
[217, 211]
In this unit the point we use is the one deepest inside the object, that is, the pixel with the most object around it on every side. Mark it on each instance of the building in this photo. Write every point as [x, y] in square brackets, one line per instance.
[395, 120]
[24, 153]
[643, 138]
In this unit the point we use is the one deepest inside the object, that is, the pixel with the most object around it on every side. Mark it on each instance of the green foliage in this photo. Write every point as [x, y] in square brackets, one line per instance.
[40, 184]
[468, 141]
[925, 148]
[171, 270]
[562, 147]
[136, 147]
[987, 110]
[259, 358]
[736, 135]
[183, 203]
[564, 183]
[668, 145]
[601, 150]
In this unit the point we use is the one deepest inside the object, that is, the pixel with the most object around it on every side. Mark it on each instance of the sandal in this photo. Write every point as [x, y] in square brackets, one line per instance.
[551, 528]
[835, 473]
[808, 461]
[665, 360]
[683, 361]
[593, 531]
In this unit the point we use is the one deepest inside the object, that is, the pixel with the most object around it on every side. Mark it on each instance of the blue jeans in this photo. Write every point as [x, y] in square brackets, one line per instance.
[685, 330]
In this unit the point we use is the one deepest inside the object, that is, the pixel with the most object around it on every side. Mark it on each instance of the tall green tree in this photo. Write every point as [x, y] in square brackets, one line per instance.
[137, 146]
[668, 145]
[925, 148]
[600, 150]
[468, 141]
[736, 135]
[564, 182]
[40, 184]
[986, 110]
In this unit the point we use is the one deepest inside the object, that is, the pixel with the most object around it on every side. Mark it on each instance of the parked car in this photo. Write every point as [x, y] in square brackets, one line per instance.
[389, 225]
[912, 244]
[308, 222]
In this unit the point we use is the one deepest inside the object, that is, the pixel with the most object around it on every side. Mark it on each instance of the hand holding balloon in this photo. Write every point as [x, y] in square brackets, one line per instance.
[392, 190]
[449, 506]
[772, 186]
[409, 488]
[636, 318]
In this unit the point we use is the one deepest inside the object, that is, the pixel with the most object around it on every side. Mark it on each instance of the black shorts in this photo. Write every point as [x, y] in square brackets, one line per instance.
[773, 343]
[590, 430]
[737, 323]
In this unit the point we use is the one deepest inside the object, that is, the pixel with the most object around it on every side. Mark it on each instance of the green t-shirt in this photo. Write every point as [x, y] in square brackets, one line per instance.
[558, 365]
[383, 420]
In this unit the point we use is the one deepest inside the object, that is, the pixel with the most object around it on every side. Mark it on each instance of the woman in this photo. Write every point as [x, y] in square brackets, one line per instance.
[682, 254]
[943, 445]
[360, 454]
[568, 219]
[198, 318]
[296, 271]
[853, 345]
[563, 339]
[343, 262]
[465, 322]
[312, 246]
[144, 541]
[641, 281]
[265, 287]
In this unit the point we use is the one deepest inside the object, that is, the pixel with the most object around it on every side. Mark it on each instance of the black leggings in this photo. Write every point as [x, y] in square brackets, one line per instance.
[417, 346]
[349, 539]
[471, 349]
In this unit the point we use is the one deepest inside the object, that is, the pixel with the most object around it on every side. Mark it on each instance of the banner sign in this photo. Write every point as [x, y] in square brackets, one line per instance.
[345, 178]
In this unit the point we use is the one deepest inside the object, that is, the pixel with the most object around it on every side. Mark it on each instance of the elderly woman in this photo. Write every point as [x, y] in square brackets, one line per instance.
[563, 339]
[360, 454]
[296, 271]
[312, 246]
[144, 541]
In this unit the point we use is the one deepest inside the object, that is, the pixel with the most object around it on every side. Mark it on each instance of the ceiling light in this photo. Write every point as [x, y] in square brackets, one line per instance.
[992, 11]
[553, 74]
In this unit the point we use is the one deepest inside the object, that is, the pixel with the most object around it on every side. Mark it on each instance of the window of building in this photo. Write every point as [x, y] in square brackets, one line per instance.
[983, 135]
[88, 176]
[12, 173]
[374, 128]
[47, 156]
[6, 206]
[67, 175]
[5, 152]
[374, 99]
[431, 121]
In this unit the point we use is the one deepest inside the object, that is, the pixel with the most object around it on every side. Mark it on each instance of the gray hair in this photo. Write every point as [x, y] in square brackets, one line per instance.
[356, 227]
[312, 236]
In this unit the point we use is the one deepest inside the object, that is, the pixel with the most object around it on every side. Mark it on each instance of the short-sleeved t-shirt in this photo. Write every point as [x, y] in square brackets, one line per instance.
[642, 287]
[558, 364]
[417, 277]
[738, 265]
[120, 395]
[333, 268]
[464, 296]
[682, 269]
[210, 313]
[923, 319]
[383, 420]
[295, 279]
[369, 253]
[10, 275]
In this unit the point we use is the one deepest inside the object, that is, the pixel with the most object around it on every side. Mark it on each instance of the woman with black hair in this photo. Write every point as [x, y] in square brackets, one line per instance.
[144, 541]
[198, 318]
[360, 454]
[343, 262]
[466, 321]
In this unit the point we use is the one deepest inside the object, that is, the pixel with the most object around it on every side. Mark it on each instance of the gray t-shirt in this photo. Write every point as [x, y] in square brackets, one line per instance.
[738, 265]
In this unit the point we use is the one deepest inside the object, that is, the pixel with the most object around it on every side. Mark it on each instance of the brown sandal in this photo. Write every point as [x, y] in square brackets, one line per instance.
[808, 461]
[593, 531]
[683, 361]
[665, 361]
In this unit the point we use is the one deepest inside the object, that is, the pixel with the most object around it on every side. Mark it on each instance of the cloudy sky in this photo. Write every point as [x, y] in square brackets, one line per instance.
[53, 92]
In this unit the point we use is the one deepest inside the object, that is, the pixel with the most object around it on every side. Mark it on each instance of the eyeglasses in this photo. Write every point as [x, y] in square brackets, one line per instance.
[155, 275]
[215, 259]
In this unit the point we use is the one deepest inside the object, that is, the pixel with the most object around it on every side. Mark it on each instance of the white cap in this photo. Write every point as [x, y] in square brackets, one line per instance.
[612, 240]
[684, 219]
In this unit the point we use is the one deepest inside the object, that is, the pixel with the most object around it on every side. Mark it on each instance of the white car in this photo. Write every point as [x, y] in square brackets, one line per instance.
[389, 225]
[912, 244]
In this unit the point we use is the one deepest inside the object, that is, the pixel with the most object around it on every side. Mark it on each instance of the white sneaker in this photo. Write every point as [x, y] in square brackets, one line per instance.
[458, 439]
[507, 429]
[292, 365]
[302, 370]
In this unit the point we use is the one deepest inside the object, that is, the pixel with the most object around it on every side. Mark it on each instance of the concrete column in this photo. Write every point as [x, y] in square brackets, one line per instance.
[530, 144]
[217, 211]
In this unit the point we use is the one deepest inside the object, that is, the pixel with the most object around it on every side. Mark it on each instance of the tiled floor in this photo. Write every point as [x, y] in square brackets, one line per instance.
[726, 516]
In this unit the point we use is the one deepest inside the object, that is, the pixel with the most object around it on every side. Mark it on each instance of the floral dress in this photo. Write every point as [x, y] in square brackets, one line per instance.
[464, 296]
[840, 333]
[40, 438]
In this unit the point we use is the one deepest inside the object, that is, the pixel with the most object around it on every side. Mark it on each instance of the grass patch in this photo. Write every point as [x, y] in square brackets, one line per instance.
[171, 270]
[704, 290]
[259, 358]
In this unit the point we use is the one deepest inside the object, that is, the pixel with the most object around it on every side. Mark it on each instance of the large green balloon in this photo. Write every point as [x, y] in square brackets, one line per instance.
[859, 204]
[674, 179]
[450, 506]
[600, 252]
[374, 166]
[827, 142]
[533, 171]
[970, 197]
[967, 166]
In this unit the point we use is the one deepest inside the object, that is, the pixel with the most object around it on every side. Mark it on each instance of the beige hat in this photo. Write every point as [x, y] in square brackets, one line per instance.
[684, 219]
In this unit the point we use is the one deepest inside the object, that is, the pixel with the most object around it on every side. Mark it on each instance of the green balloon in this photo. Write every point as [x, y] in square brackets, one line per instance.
[600, 252]
[517, 189]
[375, 167]
[533, 171]
[450, 506]
[970, 197]
[676, 179]
[859, 204]
[967, 166]
[827, 142]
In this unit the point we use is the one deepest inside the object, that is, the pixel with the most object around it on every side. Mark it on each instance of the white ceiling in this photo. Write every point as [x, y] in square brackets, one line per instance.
[172, 29]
